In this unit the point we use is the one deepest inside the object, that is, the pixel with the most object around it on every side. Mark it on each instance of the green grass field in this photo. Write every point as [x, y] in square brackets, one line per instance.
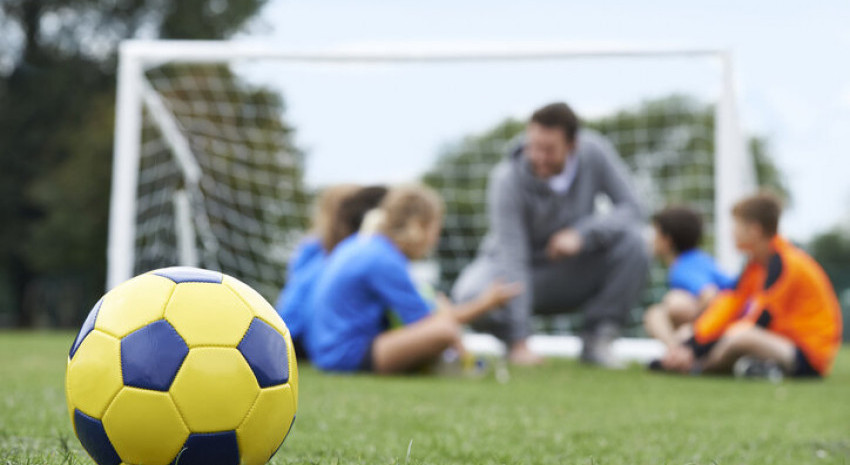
[558, 414]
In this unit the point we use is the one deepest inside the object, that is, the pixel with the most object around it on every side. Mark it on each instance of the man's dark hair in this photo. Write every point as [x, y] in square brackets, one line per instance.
[763, 209]
[353, 209]
[682, 225]
[558, 115]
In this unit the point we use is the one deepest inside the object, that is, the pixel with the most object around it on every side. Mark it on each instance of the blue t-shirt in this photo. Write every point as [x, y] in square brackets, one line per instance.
[364, 278]
[293, 304]
[694, 270]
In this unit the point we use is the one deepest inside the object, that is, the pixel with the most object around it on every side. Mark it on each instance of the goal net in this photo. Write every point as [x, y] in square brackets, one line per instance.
[220, 147]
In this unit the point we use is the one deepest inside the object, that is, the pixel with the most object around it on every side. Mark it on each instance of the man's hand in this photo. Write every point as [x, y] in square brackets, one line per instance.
[564, 243]
[679, 358]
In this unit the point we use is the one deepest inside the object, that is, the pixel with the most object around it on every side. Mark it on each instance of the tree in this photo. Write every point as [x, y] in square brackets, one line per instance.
[57, 78]
[663, 140]
[832, 250]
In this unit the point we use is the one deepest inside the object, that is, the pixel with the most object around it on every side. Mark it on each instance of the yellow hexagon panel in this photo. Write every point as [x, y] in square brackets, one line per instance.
[214, 389]
[145, 427]
[134, 304]
[208, 314]
[260, 306]
[266, 426]
[94, 374]
[293, 370]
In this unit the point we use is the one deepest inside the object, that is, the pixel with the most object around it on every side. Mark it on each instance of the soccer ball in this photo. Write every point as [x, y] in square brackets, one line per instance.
[182, 365]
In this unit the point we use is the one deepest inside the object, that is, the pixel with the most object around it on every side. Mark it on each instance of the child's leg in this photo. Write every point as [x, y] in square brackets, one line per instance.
[676, 309]
[657, 324]
[408, 347]
[747, 340]
[682, 307]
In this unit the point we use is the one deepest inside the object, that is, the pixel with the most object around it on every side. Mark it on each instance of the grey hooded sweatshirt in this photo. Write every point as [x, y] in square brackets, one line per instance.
[524, 212]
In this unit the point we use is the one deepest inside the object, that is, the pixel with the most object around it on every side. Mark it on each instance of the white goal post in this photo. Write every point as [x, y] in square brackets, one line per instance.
[734, 171]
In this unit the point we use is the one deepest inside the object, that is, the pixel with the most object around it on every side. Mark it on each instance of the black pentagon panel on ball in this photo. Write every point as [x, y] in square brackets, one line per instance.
[210, 449]
[152, 355]
[188, 274]
[266, 353]
[93, 437]
[88, 326]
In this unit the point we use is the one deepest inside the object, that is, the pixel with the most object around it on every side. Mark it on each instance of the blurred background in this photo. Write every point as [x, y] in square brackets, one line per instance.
[58, 63]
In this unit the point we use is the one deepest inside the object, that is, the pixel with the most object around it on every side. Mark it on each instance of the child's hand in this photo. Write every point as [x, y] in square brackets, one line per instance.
[500, 293]
[679, 358]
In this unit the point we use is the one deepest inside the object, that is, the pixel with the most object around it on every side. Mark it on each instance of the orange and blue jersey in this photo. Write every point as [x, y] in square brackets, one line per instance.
[694, 271]
[364, 278]
[790, 296]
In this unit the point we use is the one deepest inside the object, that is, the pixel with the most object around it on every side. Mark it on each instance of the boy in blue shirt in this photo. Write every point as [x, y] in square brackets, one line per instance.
[366, 282]
[694, 277]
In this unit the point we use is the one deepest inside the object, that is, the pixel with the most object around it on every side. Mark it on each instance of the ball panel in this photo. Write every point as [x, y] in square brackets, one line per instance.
[188, 274]
[208, 314]
[88, 326]
[266, 426]
[93, 437]
[134, 304]
[210, 449]
[151, 356]
[94, 374]
[258, 305]
[214, 389]
[145, 427]
[265, 351]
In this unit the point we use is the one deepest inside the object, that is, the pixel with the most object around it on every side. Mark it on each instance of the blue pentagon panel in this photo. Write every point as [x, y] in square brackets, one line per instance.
[210, 449]
[88, 326]
[265, 351]
[93, 437]
[151, 356]
[188, 274]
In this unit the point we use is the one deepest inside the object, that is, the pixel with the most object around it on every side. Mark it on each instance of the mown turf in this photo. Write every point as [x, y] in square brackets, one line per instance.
[559, 414]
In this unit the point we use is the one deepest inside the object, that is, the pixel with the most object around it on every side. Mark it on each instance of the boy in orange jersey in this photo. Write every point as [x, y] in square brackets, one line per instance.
[782, 315]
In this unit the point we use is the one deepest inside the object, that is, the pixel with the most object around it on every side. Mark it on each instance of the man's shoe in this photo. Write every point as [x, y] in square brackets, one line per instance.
[597, 345]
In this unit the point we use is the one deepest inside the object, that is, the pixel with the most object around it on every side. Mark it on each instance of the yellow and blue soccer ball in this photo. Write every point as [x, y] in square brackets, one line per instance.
[182, 365]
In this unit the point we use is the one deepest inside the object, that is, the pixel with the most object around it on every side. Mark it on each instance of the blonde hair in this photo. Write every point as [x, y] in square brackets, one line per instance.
[405, 213]
[326, 211]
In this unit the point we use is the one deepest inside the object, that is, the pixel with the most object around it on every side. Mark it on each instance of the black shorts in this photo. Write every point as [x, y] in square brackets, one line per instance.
[802, 367]
[367, 364]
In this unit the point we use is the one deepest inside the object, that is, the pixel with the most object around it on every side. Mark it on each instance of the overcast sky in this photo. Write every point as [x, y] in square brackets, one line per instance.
[791, 61]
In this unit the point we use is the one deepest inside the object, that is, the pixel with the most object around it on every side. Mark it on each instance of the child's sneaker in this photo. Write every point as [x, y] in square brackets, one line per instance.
[750, 367]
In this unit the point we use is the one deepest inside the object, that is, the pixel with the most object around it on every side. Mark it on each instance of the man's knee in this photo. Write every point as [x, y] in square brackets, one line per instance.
[632, 248]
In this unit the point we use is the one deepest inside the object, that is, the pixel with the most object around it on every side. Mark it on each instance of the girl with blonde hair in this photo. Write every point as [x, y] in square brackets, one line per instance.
[366, 283]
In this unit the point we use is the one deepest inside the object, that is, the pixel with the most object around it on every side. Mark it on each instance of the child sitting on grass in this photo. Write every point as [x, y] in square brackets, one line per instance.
[694, 277]
[783, 315]
[367, 276]
[339, 214]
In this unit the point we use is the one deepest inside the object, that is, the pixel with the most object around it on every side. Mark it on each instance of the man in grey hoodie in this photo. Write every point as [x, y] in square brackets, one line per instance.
[546, 234]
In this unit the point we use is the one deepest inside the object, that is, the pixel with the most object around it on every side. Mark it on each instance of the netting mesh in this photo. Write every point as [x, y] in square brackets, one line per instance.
[251, 203]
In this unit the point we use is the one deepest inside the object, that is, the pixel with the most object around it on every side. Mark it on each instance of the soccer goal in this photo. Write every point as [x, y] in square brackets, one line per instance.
[220, 146]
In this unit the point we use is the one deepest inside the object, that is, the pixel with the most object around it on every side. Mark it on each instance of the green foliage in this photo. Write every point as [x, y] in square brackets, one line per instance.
[832, 250]
[561, 413]
[57, 78]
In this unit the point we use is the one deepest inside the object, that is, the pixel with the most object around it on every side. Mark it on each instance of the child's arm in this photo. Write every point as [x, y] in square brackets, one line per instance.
[495, 296]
